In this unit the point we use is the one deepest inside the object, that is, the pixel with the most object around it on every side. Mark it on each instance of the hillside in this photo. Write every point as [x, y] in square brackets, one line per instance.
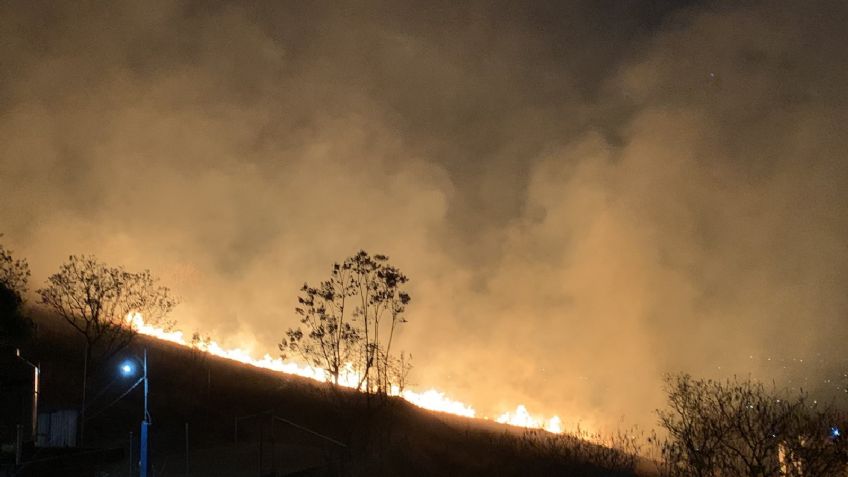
[287, 425]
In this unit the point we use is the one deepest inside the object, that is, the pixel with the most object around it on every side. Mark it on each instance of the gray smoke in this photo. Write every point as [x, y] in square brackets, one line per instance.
[584, 196]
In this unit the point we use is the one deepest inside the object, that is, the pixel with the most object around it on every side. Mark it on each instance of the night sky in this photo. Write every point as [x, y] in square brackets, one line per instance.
[584, 194]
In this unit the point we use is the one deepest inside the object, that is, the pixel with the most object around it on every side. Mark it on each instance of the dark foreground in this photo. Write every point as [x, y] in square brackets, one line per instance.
[215, 417]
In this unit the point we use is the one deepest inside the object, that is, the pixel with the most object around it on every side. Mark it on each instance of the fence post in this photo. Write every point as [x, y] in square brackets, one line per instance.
[261, 438]
[273, 457]
[187, 454]
[131, 456]
[19, 444]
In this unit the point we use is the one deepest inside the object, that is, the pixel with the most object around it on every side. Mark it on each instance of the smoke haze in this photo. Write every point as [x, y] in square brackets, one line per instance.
[585, 196]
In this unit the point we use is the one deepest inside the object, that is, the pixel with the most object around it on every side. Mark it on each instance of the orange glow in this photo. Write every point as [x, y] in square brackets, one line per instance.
[437, 401]
[431, 399]
[522, 418]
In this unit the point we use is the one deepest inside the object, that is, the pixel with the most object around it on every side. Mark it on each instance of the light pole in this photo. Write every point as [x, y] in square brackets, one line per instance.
[145, 423]
[127, 369]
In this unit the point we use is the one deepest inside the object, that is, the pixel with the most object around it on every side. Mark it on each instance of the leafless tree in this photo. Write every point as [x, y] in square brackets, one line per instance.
[15, 326]
[96, 300]
[737, 427]
[352, 318]
[393, 300]
[399, 369]
[14, 273]
[327, 314]
[380, 311]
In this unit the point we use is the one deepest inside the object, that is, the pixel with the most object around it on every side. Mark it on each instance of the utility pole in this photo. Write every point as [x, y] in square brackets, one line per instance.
[145, 424]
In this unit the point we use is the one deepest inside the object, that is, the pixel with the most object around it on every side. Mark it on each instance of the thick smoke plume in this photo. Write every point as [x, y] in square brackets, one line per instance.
[585, 195]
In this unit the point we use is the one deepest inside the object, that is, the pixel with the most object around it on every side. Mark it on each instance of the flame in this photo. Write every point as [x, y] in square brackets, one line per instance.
[431, 399]
[436, 401]
[522, 418]
[235, 354]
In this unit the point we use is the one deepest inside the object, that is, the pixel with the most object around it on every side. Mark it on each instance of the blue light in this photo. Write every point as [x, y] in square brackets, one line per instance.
[834, 432]
[127, 369]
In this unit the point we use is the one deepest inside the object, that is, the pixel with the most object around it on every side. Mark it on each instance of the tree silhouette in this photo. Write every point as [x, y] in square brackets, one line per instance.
[737, 427]
[96, 300]
[346, 319]
[13, 273]
[15, 327]
[327, 313]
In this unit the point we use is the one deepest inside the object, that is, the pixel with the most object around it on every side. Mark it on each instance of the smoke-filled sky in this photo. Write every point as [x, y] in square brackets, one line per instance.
[584, 194]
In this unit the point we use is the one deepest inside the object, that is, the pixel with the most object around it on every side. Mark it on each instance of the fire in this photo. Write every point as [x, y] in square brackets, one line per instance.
[431, 399]
[522, 418]
[235, 354]
[437, 401]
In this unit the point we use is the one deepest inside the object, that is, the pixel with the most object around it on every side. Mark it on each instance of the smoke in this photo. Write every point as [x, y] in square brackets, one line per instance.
[584, 196]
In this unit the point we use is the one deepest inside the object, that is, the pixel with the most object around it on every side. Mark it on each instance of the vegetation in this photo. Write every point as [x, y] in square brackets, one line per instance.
[96, 299]
[14, 273]
[15, 326]
[618, 453]
[350, 320]
[348, 323]
[394, 438]
[737, 427]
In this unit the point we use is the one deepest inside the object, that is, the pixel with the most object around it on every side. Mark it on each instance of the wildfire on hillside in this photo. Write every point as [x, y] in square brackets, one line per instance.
[430, 399]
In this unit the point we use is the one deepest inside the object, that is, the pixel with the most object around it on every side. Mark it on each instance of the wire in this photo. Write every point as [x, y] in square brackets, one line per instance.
[92, 416]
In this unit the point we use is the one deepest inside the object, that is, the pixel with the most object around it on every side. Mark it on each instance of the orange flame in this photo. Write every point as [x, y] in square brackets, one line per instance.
[522, 418]
[436, 401]
[431, 399]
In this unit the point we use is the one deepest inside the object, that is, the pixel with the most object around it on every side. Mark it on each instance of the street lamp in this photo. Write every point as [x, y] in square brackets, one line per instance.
[128, 368]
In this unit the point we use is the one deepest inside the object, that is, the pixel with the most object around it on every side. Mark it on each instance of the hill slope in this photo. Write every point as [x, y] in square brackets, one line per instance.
[244, 421]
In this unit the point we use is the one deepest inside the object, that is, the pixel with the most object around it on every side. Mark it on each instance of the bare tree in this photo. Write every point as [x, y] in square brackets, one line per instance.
[738, 428]
[352, 318]
[327, 313]
[382, 302]
[398, 372]
[198, 371]
[199, 346]
[394, 300]
[368, 312]
[14, 273]
[97, 301]
[15, 327]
